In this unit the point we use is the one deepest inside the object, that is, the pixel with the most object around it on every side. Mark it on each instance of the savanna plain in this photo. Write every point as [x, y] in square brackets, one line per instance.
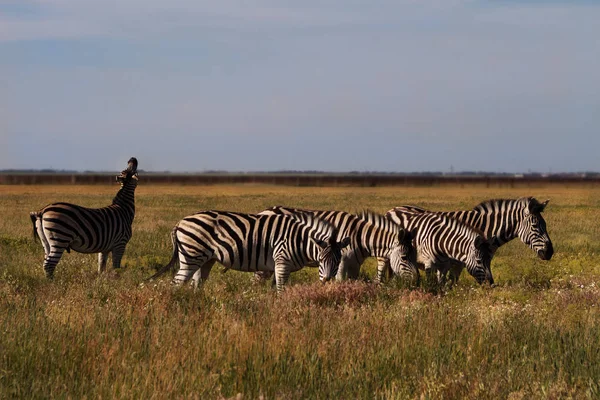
[535, 335]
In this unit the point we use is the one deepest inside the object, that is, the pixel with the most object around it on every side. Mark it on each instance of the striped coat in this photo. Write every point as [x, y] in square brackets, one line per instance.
[442, 241]
[504, 220]
[375, 237]
[64, 226]
[250, 242]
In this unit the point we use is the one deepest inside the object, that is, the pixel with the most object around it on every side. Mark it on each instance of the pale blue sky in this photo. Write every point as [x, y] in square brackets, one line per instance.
[338, 85]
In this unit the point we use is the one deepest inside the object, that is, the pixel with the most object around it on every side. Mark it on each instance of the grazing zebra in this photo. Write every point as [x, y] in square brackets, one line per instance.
[64, 226]
[505, 220]
[441, 241]
[378, 237]
[250, 242]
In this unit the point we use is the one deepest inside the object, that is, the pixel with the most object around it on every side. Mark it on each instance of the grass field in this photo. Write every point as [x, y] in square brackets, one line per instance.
[535, 335]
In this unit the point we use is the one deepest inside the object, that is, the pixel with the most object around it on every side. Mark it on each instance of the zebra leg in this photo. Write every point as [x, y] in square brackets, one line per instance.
[432, 272]
[188, 266]
[102, 259]
[40, 231]
[455, 272]
[383, 265]
[441, 277]
[262, 276]
[282, 274]
[352, 268]
[52, 259]
[117, 255]
[202, 273]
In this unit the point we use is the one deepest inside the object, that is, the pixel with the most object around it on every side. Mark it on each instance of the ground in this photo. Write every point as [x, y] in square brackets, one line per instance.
[535, 335]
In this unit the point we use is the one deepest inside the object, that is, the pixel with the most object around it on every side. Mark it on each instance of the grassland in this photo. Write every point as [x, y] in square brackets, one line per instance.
[535, 335]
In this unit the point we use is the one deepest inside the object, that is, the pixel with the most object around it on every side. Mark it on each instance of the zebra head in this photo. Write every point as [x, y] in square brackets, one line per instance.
[532, 229]
[403, 257]
[329, 252]
[129, 175]
[479, 258]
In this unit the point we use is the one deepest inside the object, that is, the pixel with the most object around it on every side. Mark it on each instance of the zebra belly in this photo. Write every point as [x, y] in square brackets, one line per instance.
[78, 247]
[81, 247]
[238, 263]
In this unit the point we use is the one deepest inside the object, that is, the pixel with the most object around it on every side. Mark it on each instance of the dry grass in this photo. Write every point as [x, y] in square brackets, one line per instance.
[536, 335]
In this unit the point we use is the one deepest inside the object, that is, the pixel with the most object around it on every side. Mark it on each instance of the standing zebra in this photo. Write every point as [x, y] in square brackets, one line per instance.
[441, 241]
[250, 242]
[504, 220]
[378, 237]
[64, 226]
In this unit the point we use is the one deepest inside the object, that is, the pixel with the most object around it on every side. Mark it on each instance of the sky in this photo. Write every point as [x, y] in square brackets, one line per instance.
[330, 85]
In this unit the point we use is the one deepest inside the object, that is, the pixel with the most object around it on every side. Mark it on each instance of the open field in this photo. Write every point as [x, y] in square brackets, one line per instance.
[535, 335]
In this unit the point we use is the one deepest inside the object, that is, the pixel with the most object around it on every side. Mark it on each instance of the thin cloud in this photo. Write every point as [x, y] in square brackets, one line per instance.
[332, 85]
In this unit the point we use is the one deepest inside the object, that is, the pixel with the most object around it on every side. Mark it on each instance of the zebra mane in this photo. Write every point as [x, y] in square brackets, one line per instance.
[491, 202]
[521, 202]
[412, 209]
[292, 209]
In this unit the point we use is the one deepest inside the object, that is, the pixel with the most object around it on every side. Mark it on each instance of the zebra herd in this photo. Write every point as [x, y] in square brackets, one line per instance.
[281, 240]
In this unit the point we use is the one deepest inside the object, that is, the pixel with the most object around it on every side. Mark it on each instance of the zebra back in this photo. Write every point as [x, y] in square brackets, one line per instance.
[370, 233]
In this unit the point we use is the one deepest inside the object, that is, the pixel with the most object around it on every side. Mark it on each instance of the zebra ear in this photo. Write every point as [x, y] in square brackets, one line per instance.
[345, 242]
[402, 235]
[410, 235]
[321, 243]
[534, 207]
[478, 241]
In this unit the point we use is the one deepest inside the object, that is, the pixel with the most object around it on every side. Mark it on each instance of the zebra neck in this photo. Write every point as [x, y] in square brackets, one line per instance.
[308, 253]
[461, 253]
[125, 198]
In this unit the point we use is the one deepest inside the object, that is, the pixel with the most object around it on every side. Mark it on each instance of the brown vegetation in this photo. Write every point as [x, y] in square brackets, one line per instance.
[536, 335]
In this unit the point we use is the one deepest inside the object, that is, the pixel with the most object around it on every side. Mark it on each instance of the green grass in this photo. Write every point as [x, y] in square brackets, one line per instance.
[535, 335]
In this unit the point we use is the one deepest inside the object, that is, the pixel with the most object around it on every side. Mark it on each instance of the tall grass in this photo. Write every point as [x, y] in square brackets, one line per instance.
[536, 335]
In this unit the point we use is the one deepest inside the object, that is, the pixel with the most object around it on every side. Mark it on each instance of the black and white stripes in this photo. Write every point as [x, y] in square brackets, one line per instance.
[503, 220]
[64, 226]
[250, 242]
[281, 240]
[441, 240]
[375, 237]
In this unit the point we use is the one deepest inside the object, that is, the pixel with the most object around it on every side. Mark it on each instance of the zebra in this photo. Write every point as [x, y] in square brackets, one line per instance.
[64, 226]
[377, 237]
[251, 242]
[505, 220]
[441, 241]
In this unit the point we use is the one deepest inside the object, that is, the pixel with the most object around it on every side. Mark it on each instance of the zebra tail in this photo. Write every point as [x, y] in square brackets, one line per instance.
[34, 215]
[173, 260]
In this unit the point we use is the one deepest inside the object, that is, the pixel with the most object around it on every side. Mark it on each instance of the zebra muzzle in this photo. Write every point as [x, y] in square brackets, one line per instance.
[546, 253]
